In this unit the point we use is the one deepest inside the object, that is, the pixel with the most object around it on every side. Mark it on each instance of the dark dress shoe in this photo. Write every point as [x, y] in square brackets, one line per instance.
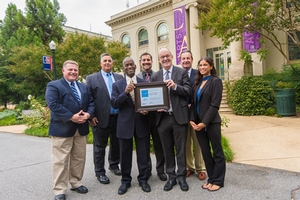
[81, 189]
[162, 176]
[123, 188]
[169, 185]
[60, 197]
[145, 187]
[103, 179]
[183, 185]
[116, 171]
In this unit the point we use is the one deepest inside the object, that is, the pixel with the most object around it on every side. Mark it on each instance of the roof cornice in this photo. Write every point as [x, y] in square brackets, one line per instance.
[137, 11]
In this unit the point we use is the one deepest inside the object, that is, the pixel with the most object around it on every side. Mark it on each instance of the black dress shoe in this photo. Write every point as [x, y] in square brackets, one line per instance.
[183, 185]
[60, 197]
[169, 185]
[123, 188]
[116, 171]
[145, 187]
[162, 176]
[81, 189]
[103, 179]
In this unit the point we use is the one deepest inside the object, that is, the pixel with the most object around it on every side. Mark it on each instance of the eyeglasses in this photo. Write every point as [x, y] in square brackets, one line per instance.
[165, 56]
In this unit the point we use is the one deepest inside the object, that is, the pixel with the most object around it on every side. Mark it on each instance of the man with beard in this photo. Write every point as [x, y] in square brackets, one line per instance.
[194, 159]
[146, 74]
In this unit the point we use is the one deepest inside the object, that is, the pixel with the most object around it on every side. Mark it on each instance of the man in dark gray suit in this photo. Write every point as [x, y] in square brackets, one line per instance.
[105, 120]
[71, 105]
[172, 123]
[146, 74]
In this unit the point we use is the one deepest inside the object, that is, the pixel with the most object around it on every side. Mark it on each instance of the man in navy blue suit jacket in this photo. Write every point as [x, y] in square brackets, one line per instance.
[69, 126]
[131, 124]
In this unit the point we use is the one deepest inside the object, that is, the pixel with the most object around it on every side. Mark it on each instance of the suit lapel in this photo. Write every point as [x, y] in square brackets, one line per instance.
[102, 82]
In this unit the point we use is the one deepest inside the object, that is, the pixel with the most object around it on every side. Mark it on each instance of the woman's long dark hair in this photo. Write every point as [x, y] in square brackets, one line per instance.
[199, 76]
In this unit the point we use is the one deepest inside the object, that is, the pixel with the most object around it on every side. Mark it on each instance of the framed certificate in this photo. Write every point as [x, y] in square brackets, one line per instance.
[151, 96]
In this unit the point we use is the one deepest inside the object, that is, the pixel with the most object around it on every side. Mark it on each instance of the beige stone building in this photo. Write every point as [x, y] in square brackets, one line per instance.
[171, 23]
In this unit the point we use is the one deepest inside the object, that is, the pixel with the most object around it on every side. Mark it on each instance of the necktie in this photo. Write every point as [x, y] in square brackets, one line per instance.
[75, 92]
[167, 75]
[132, 92]
[147, 78]
[110, 82]
[166, 78]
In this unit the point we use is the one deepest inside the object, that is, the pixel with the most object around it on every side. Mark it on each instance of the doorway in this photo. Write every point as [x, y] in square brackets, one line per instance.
[222, 60]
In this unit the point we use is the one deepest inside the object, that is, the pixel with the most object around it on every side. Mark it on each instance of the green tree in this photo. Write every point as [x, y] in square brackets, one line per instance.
[118, 51]
[228, 20]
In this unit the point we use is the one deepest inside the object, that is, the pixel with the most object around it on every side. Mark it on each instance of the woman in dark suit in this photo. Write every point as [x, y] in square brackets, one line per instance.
[206, 121]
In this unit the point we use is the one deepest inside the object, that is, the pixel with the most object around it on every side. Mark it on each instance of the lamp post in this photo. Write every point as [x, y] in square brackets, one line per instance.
[52, 46]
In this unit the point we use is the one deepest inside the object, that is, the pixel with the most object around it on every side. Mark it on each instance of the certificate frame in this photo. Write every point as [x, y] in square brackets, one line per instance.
[151, 96]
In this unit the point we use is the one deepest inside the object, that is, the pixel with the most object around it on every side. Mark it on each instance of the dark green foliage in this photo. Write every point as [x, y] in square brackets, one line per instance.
[251, 95]
[289, 77]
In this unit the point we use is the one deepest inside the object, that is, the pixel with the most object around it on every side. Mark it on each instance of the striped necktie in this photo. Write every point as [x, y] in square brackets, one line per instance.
[75, 92]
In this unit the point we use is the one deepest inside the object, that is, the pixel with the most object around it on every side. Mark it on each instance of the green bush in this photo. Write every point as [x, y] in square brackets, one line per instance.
[251, 95]
[7, 113]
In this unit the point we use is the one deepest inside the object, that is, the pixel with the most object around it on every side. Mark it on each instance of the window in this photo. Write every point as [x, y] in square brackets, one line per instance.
[126, 40]
[143, 37]
[162, 32]
[294, 50]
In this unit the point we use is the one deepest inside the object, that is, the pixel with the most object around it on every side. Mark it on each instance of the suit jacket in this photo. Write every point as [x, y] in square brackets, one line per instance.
[210, 100]
[128, 121]
[63, 105]
[192, 79]
[178, 96]
[96, 84]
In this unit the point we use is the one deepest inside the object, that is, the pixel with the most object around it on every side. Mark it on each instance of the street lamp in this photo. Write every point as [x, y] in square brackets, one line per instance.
[52, 46]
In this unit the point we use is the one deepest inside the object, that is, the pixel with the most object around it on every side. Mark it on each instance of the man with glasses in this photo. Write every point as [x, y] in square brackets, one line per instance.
[172, 123]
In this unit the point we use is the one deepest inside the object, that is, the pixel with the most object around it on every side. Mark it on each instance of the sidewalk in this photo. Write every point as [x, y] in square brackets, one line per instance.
[261, 144]
[265, 141]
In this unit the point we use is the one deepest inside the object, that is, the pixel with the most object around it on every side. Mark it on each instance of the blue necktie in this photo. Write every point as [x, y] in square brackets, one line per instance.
[110, 82]
[75, 92]
[167, 77]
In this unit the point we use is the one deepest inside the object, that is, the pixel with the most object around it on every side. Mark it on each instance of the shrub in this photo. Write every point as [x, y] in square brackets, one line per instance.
[251, 95]
[40, 117]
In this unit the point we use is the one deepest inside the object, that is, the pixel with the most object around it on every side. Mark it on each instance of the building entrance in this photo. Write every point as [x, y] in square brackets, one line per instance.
[222, 61]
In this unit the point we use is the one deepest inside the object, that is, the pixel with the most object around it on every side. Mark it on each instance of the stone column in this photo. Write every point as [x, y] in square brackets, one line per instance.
[194, 34]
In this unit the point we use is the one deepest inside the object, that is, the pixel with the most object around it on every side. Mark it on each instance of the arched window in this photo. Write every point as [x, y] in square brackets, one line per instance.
[162, 32]
[143, 37]
[126, 40]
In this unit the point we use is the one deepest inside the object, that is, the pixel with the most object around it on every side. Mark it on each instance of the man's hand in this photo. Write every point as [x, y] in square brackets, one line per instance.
[170, 84]
[80, 117]
[94, 121]
[129, 88]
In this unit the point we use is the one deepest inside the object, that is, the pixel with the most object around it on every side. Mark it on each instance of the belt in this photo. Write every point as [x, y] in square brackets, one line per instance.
[113, 115]
[168, 113]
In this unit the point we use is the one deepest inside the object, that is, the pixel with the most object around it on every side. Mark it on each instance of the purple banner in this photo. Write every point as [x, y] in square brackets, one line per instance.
[251, 41]
[180, 32]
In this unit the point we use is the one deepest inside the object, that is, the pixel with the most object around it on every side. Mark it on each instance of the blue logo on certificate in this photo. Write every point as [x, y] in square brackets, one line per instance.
[145, 93]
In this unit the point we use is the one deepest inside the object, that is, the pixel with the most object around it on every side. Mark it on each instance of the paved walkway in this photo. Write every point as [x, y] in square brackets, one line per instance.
[266, 166]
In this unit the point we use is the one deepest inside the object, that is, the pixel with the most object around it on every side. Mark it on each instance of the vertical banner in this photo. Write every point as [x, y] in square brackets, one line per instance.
[180, 31]
[251, 42]
[47, 63]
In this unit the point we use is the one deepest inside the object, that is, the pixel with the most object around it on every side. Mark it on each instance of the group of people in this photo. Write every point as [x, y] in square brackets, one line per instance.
[191, 125]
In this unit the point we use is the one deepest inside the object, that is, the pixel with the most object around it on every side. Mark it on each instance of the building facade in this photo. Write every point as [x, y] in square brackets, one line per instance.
[171, 23]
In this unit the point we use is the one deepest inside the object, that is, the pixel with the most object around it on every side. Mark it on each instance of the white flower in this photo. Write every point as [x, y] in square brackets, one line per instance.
[29, 97]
